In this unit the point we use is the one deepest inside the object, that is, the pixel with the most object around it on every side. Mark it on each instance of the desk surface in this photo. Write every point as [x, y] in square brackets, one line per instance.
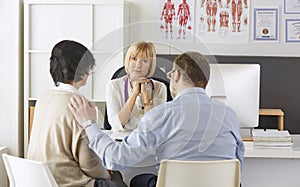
[289, 152]
[250, 151]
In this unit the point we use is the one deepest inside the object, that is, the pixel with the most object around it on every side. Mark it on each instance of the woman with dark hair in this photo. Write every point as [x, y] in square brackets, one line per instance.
[70, 63]
[56, 137]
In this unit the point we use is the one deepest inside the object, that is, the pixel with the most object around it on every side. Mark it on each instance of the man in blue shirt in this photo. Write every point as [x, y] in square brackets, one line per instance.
[191, 127]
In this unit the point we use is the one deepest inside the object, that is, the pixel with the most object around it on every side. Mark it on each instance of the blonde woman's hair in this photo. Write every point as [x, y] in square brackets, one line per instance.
[142, 49]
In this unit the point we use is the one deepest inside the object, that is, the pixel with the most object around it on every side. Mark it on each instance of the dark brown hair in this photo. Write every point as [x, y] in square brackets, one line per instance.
[195, 67]
[70, 61]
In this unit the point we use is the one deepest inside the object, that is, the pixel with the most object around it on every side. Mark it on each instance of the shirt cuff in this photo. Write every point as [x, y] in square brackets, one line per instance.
[88, 123]
[92, 129]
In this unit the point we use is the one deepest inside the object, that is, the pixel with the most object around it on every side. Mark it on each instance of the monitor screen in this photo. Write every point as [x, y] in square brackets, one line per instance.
[237, 85]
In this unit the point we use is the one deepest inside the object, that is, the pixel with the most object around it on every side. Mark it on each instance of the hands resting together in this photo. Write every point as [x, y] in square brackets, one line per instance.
[142, 86]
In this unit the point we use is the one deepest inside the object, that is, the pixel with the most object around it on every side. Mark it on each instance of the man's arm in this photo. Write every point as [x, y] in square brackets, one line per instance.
[131, 152]
[240, 150]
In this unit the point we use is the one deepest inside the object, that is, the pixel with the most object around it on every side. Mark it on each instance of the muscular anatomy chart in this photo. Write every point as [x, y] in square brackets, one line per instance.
[220, 21]
[211, 7]
[168, 14]
[177, 20]
[183, 16]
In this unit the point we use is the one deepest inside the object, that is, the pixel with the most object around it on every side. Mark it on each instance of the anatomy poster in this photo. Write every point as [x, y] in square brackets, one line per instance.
[176, 20]
[222, 21]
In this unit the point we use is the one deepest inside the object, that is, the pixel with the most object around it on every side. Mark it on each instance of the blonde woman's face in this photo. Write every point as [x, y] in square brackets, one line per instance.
[139, 67]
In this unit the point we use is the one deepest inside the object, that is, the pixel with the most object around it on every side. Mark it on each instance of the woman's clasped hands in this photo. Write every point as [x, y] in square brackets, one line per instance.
[142, 86]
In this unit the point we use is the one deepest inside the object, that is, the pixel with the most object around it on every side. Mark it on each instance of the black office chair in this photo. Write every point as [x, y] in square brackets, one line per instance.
[158, 75]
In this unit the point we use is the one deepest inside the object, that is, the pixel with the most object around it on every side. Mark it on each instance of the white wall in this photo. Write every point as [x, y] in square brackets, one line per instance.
[143, 11]
[11, 134]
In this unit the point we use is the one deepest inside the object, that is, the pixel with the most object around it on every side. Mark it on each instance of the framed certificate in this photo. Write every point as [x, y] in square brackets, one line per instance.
[292, 30]
[291, 6]
[266, 24]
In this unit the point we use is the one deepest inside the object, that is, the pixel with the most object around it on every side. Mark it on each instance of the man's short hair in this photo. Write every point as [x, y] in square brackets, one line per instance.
[195, 68]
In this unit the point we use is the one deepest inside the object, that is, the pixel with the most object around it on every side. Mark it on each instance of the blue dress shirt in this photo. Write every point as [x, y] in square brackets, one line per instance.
[191, 127]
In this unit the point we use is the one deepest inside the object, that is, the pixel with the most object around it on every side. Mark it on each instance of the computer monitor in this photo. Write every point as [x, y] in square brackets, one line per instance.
[238, 85]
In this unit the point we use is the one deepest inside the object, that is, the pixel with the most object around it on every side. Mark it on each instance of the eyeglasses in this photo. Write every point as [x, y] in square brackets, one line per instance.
[170, 73]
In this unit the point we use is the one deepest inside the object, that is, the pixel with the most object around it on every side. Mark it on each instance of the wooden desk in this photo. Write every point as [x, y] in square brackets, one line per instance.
[274, 112]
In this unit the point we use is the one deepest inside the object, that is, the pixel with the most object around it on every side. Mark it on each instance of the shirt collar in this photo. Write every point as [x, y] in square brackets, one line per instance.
[66, 88]
[190, 90]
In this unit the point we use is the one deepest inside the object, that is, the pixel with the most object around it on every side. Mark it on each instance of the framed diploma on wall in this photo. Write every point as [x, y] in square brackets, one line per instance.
[266, 24]
[292, 30]
[291, 6]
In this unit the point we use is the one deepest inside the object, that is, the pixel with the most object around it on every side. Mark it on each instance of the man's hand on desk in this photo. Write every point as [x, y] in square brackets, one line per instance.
[83, 110]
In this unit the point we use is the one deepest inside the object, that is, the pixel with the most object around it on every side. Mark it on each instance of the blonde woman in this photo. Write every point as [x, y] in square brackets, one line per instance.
[131, 96]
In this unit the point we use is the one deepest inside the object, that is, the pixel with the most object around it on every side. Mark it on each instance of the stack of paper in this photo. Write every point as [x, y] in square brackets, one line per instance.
[271, 138]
